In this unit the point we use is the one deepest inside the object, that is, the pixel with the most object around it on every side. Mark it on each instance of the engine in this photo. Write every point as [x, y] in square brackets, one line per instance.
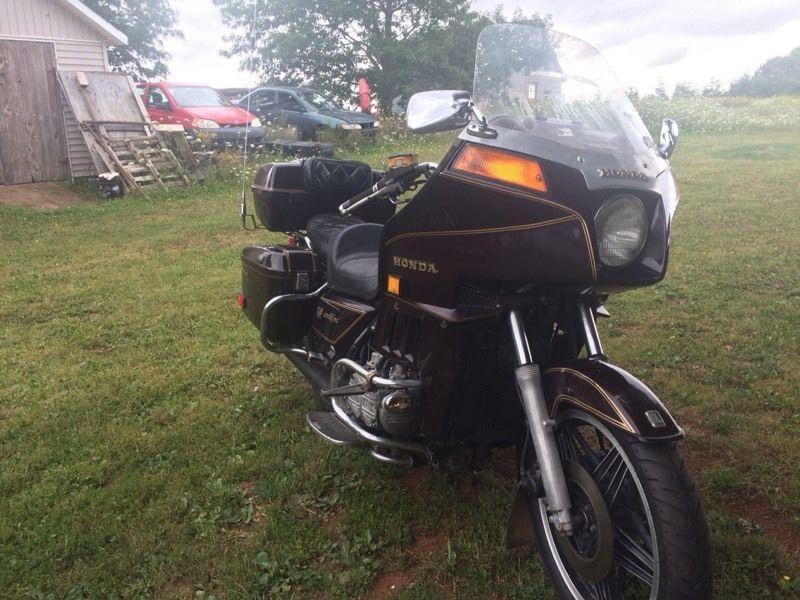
[393, 411]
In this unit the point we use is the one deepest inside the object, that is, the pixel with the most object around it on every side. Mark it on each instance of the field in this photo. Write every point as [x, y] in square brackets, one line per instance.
[734, 114]
[150, 448]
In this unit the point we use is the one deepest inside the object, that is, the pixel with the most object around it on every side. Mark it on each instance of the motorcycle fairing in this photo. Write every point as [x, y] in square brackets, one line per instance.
[338, 320]
[612, 395]
[468, 229]
[599, 168]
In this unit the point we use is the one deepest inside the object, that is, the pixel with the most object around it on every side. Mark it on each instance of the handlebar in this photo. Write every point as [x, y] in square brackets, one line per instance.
[392, 184]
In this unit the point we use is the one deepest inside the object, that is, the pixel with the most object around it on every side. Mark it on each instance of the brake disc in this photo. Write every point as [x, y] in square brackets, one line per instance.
[590, 548]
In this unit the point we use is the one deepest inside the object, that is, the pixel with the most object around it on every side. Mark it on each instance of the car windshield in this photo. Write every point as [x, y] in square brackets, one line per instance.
[192, 96]
[317, 100]
[555, 87]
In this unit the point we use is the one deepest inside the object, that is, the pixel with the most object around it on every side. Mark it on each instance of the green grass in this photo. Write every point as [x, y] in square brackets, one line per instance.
[150, 448]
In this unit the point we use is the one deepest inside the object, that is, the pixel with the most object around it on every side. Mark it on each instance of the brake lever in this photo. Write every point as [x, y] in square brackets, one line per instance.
[394, 187]
[349, 205]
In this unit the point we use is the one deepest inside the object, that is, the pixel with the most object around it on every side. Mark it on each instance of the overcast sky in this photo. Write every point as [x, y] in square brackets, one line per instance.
[644, 41]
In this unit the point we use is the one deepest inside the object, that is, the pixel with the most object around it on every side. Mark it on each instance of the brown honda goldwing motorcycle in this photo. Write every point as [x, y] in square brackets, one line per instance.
[466, 321]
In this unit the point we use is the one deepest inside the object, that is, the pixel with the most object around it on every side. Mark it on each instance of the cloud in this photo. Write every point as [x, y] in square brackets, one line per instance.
[197, 58]
[675, 40]
[669, 57]
[644, 41]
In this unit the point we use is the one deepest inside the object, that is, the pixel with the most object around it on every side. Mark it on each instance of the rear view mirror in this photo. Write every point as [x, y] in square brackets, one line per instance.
[668, 138]
[439, 110]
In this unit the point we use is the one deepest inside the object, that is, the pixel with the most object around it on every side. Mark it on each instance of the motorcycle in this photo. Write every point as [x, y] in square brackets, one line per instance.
[466, 321]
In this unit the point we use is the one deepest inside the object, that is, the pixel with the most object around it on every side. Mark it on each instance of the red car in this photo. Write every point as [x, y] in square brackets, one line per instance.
[200, 109]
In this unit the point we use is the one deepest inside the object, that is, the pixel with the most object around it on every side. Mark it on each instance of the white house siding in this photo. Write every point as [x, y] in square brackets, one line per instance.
[42, 19]
[78, 48]
[74, 55]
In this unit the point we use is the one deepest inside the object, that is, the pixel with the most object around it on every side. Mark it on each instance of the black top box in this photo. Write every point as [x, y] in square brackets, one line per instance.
[286, 195]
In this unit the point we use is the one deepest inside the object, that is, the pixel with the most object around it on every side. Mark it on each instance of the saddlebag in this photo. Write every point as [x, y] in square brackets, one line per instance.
[287, 195]
[273, 271]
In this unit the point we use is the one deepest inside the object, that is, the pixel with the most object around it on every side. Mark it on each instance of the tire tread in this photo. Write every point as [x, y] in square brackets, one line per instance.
[678, 516]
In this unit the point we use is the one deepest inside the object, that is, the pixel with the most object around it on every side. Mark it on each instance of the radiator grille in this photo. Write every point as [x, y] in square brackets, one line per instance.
[402, 335]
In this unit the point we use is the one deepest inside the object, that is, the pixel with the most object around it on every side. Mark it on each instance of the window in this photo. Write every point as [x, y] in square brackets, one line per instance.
[287, 101]
[156, 98]
[264, 100]
[317, 100]
[263, 96]
[192, 96]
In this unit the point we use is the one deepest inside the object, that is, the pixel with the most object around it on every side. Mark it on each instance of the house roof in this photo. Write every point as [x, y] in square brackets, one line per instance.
[110, 34]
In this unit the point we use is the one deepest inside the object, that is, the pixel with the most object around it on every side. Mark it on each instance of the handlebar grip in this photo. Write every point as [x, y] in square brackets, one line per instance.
[358, 198]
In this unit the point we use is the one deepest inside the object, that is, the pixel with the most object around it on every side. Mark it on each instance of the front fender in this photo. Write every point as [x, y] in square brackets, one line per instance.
[612, 395]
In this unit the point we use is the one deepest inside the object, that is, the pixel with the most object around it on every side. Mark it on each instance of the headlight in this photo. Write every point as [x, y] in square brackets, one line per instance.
[349, 126]
[376, 124]
[205, 124]
[255, 123]
[621, 227]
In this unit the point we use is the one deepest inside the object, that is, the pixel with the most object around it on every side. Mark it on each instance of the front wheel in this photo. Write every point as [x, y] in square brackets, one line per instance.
[639, 531]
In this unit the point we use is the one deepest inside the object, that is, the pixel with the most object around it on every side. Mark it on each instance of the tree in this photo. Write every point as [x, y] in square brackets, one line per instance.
[779, 75]
[661, 91]
[445, 58]
[684, 89]
[713, 88]
[633, 94]
[401, 46]
[147, 23]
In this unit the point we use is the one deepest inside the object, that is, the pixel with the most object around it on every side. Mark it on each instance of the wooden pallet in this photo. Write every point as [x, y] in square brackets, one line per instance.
[138, 155]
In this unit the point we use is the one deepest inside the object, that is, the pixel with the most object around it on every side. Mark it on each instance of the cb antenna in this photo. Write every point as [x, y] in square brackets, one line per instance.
[243, 203]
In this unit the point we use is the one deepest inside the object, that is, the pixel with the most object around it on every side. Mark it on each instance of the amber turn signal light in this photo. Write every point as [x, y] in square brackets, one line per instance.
[241, 300]
[393, 285]
[500, 166]
[397, 161]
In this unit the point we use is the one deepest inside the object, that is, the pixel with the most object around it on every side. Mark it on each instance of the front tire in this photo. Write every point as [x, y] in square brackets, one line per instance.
[660, 537]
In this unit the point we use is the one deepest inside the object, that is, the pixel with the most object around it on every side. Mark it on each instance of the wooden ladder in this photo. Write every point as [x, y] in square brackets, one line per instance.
[140, 158]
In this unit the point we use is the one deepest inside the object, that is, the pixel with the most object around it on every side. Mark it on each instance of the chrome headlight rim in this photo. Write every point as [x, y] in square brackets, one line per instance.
[607, 222]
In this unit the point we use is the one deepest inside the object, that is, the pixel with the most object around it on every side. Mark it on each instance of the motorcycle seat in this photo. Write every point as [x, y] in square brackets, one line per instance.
[353, 261]
[322, 229]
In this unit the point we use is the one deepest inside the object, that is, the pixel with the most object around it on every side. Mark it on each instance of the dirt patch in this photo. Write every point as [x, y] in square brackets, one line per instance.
[422, 548]
[772, 524]
[390, 583]
[626, 329]
[413, 478]
[179, 589]
[41, 196]
[332, 520]
[426, 545]
[702, 455]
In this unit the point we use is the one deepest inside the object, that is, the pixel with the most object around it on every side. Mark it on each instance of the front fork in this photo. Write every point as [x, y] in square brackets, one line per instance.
[541, 425]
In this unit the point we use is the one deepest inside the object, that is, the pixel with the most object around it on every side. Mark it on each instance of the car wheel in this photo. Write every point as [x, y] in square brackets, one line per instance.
[308, 134]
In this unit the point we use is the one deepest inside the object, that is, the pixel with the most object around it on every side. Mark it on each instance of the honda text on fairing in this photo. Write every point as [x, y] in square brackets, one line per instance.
[466, 321]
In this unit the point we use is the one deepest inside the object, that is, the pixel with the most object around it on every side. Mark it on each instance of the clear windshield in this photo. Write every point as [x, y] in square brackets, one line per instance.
[317, 100]
[192, 96]
[555, 87]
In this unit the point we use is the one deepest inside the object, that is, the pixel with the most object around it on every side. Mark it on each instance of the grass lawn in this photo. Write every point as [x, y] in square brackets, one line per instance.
[150, 448]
